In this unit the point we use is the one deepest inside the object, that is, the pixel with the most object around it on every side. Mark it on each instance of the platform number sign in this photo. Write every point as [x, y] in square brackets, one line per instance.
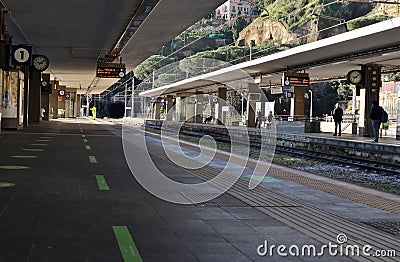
[21, 55]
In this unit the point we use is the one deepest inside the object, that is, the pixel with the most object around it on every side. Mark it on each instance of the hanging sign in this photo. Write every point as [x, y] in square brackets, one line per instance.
[21, 55]
[110, 70]
[295, 79]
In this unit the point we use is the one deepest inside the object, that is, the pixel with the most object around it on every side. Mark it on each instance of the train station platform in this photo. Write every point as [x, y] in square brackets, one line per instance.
[67, 194]
[292, 135]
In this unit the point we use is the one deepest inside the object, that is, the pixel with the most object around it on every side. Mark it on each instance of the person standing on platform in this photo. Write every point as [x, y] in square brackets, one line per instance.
[258, 119]
[337, 118]
[42, 111]
[270, 117]
[375, 116]
[94, 112]
[285, 115]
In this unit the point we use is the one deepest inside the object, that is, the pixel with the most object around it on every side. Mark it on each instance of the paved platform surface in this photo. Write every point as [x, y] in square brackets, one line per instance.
[55, 206]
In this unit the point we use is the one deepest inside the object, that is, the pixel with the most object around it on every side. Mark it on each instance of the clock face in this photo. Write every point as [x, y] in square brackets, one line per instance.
[40, 63]
[355, 76]
[44, 83]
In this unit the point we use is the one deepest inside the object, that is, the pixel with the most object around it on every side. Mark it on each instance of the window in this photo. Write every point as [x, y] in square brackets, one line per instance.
[233, 8]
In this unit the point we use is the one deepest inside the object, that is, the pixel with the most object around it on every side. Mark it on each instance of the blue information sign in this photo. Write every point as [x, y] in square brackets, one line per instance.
[286, 89]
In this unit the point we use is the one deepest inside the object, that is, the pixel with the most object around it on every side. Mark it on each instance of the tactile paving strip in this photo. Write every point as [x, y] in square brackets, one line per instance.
[390, 227]
[312, 221]
[224, 200]
[360, 197]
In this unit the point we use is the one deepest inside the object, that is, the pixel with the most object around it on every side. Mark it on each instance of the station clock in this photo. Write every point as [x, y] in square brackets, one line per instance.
[40, 62]
[355, 77]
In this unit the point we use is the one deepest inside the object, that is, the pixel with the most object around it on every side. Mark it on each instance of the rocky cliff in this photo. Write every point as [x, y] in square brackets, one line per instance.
[264, 32]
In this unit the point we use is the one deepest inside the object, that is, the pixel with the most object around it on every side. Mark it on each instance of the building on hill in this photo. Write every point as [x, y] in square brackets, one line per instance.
[233, 8]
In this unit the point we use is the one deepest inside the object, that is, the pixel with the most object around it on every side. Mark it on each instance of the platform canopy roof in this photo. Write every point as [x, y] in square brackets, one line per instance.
[73, 34]
[329, 58]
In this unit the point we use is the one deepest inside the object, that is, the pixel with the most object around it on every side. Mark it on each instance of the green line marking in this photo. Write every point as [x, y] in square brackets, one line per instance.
[127, 247]
[92, 159]
[38, 144]
[26, 157]
[102, 183]
[85, 140]
[14, 167]
[6, 184]
[88, 147]
[33, 149]
[43, 140]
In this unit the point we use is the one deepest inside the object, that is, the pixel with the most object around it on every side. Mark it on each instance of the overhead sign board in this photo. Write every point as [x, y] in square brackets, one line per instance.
[110, 70]
[276, 90]
[21, 55]
[295, 79]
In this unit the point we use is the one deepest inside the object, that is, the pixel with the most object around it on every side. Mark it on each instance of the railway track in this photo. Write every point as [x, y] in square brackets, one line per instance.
[381, 168]
[319, 224]
[384, 169]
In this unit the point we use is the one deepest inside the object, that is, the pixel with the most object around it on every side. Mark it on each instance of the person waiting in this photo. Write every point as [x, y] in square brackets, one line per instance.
[375, 116]
[337, 118]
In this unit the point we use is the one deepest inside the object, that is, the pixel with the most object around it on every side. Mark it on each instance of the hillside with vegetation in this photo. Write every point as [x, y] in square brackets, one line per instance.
[282, 24]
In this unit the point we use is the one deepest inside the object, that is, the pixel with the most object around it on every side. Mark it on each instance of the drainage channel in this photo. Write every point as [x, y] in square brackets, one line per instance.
[319, 224]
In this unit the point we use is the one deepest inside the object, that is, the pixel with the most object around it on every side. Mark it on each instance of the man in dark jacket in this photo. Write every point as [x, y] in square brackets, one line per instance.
[375, 116]
[338, 117]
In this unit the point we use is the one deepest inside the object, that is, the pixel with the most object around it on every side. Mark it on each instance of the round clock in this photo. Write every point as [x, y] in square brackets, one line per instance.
[355, 77]
[44, 83]
[40, 62]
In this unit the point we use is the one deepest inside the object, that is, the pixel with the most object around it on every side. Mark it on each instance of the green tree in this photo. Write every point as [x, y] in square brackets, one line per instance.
[153, 63]
[238, 24]
[365, 21]
[324, 98]
[394, 77]
[344, 90]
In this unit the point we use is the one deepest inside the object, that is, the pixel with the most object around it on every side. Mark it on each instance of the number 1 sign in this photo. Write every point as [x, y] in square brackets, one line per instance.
[21, 55]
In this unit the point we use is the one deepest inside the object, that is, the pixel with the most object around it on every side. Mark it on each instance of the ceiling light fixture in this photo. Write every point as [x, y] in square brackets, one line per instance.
[147, 9]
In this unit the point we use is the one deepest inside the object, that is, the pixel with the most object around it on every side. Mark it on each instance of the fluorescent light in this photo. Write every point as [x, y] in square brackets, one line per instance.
[137, 23]
[147, 9]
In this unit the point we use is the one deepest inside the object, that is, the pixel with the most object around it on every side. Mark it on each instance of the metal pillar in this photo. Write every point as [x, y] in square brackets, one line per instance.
[34, 98]
[170, 104]
[251, 105]
[127, 101]
[199, 108]
[221, 102]
[297, 104]
[369, 93]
